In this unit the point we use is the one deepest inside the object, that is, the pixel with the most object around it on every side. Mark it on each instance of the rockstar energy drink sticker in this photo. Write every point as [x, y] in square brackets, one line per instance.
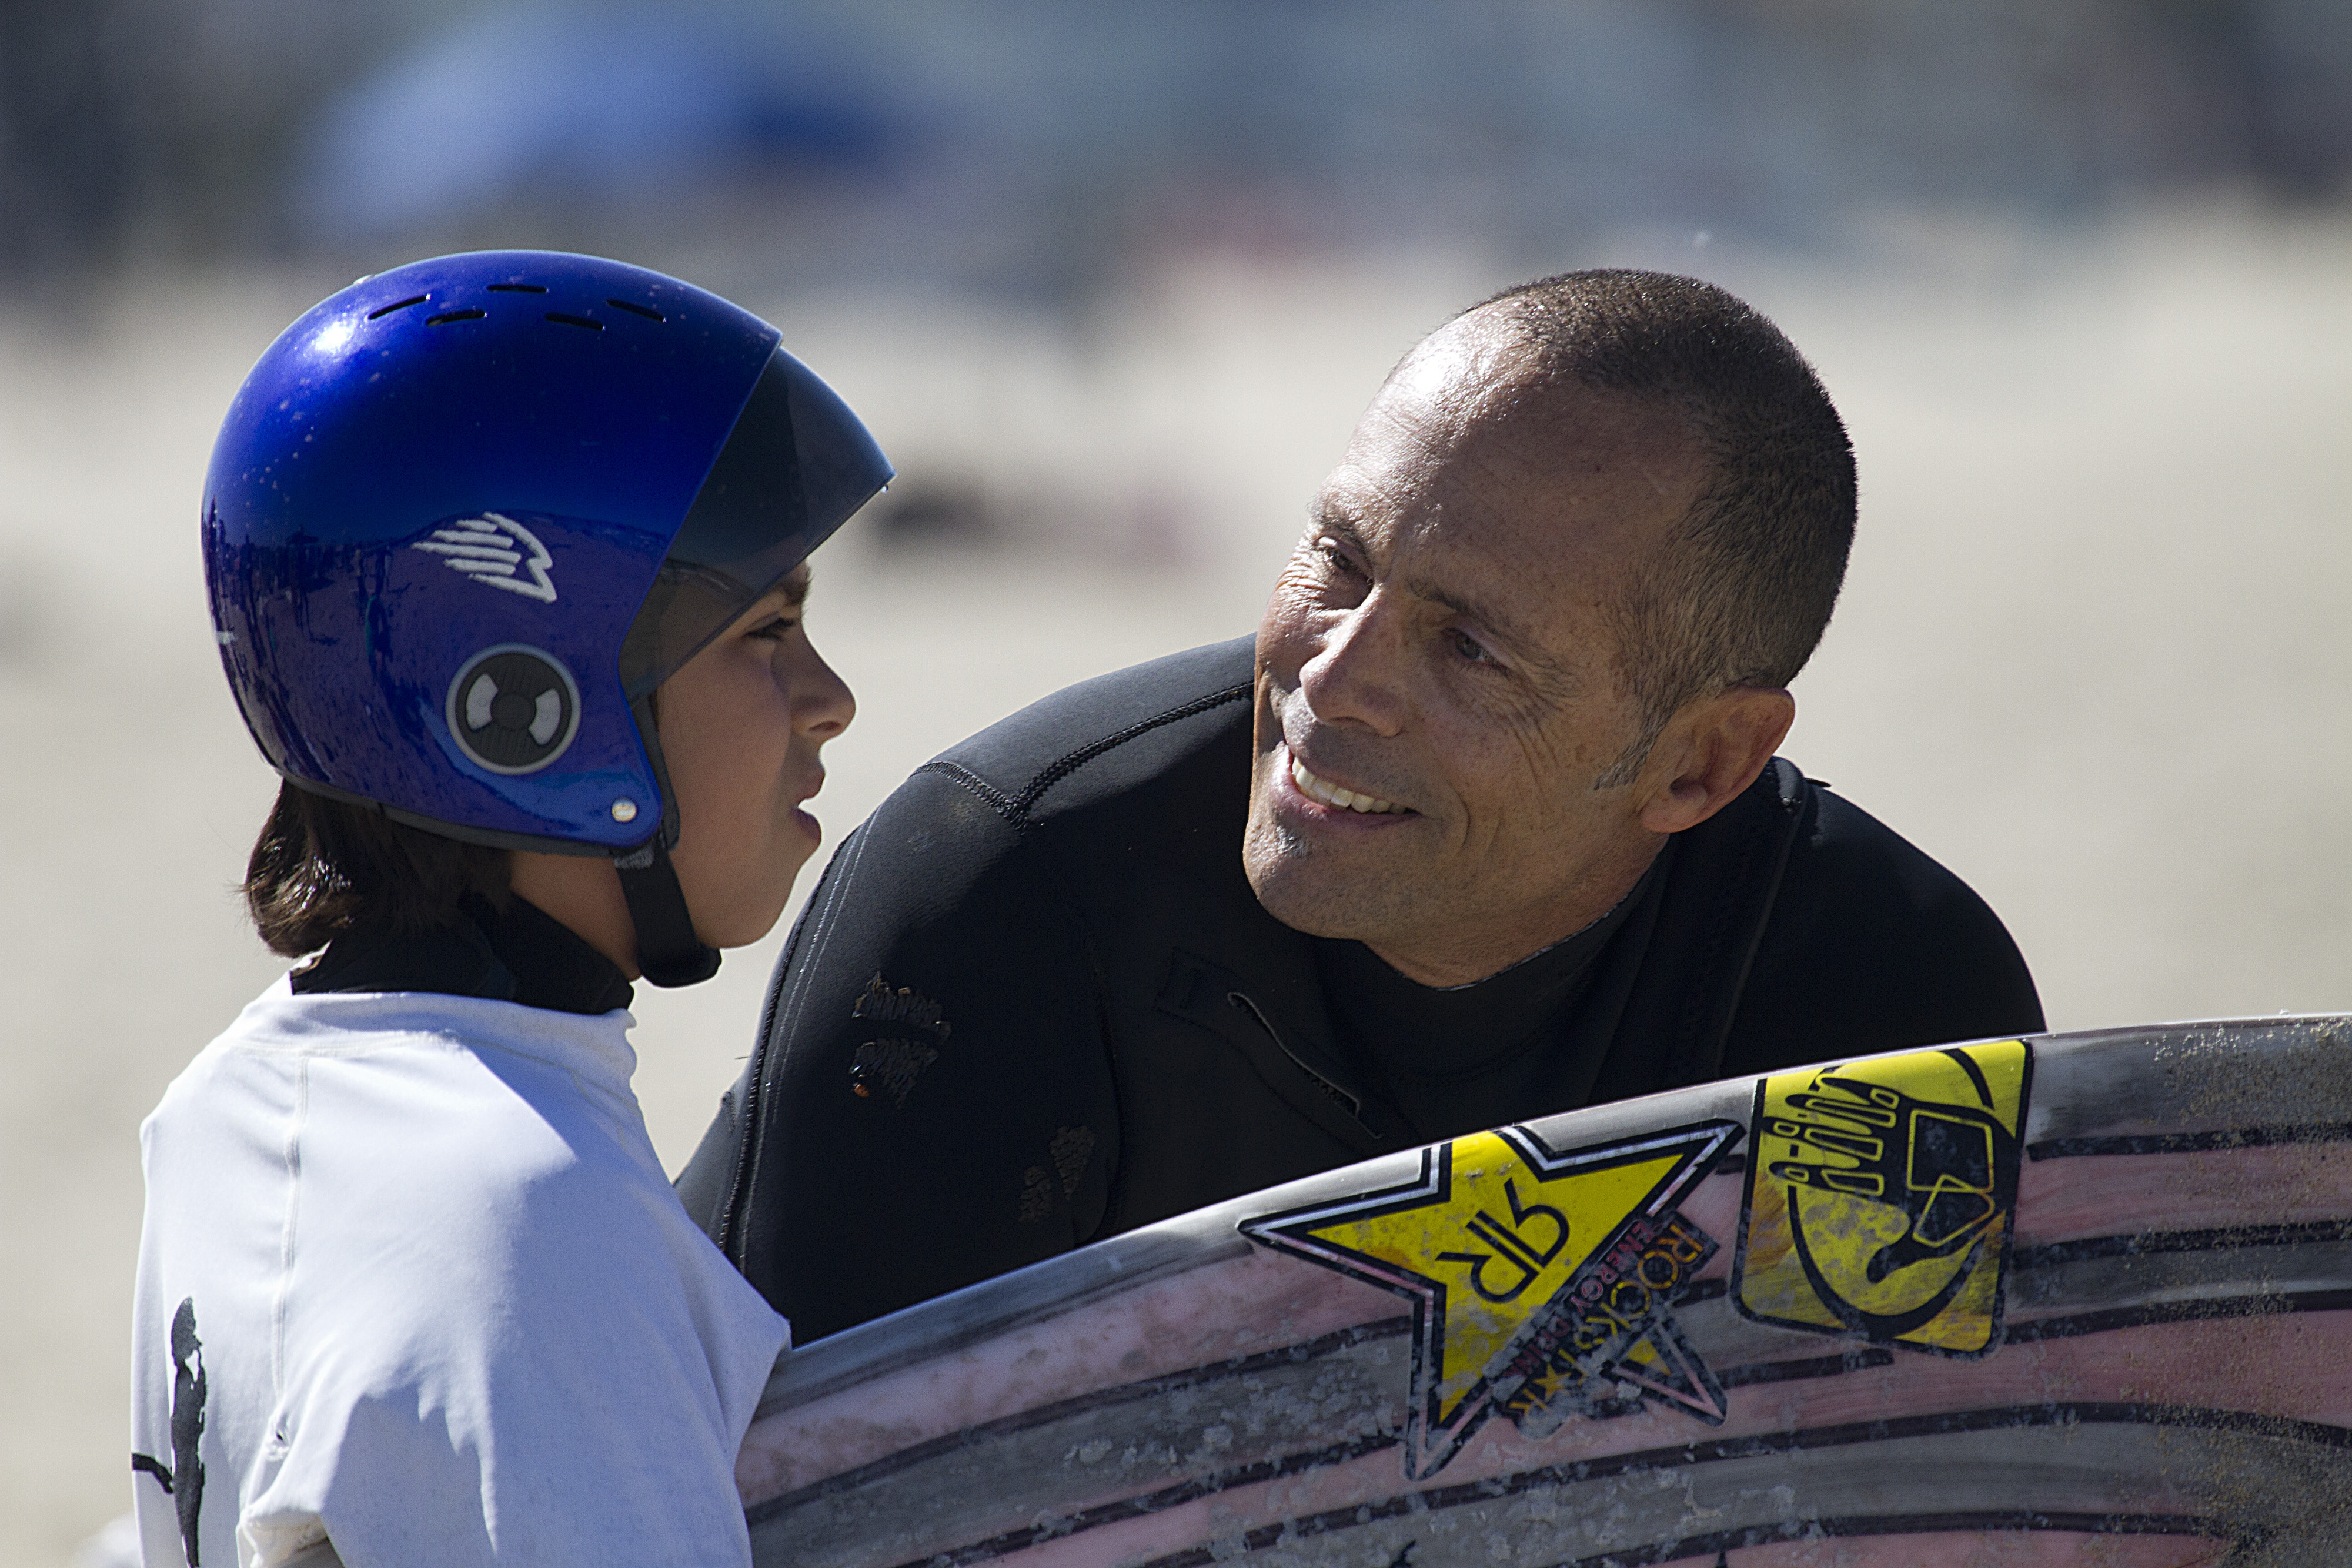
[1541, 1281]
[1610, 1338]
[1881, 1195]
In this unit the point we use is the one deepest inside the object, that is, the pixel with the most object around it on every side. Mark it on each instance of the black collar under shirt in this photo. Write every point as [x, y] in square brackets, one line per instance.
[519, 954]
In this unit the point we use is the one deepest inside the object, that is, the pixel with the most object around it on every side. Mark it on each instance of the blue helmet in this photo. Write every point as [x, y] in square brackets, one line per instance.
[464, 516]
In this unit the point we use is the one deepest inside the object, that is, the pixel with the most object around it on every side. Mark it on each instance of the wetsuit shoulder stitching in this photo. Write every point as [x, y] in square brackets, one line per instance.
[956, 773]
[1072, 761]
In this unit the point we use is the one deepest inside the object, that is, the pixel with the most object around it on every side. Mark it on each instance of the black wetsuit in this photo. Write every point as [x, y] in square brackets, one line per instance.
[1033, 1002]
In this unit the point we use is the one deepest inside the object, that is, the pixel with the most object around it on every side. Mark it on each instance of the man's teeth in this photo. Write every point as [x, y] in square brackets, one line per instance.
[1332, 795]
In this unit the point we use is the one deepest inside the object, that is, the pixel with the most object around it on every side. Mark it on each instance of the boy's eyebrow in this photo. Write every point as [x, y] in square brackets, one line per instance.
[796, 587]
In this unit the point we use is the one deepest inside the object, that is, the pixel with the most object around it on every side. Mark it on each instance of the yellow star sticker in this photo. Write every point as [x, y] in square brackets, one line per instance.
[1493, 1235]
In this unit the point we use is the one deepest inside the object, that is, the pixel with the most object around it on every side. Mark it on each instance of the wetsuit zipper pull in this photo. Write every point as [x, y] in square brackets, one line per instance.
[1351, 1103]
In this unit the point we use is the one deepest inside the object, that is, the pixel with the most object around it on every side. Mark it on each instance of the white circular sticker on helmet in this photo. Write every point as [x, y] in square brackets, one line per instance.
[513, 708]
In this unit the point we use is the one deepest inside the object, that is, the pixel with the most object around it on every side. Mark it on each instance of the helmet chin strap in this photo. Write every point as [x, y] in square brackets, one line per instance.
[669, 952]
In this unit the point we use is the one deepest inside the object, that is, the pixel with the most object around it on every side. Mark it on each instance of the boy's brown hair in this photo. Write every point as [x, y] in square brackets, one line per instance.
[322, 868]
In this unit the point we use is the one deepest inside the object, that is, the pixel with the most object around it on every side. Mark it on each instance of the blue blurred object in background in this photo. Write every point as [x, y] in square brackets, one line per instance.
[551, 106]
[1043, 147]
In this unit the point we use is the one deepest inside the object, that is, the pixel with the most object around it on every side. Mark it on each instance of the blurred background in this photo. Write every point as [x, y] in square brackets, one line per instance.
[1111, 283]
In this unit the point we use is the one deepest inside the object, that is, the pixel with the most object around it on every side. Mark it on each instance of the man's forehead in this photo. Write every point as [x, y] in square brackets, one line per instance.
[1417, 432]
[1469, 423]
[1465, 371]
[1490, 484]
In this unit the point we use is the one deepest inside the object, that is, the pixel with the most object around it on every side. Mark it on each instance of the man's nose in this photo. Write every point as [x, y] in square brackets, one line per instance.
[1356, 676]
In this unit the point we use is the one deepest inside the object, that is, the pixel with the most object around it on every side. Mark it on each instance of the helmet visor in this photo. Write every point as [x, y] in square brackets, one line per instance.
[795, 466]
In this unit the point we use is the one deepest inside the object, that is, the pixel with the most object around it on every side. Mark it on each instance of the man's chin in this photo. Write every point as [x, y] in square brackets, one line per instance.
[1314, 888]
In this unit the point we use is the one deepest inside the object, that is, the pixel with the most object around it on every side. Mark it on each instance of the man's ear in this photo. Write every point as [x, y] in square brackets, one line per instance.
[1710, 752]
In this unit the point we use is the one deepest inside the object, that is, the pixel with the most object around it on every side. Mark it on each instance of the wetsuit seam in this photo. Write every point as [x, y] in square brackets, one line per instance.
[963, 778]
[811, 918]
[1795, 810]
[1338, 1094]
[1070, 762]
[1015, 809]
[1717, 992]
[1067, 906]
[1702, 999]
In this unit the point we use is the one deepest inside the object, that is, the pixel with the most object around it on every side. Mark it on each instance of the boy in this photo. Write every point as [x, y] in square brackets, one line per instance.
[505, 553]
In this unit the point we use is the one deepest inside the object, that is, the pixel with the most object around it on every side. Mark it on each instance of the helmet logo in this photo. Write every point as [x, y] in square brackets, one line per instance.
[514, 709]
[492, 548]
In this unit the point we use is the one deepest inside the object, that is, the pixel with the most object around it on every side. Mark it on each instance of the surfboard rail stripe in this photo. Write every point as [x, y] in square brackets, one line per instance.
[2211, 1238]
[1096, 1399]
[2011, 1419]
[2189, 1143]
[1160, 1501]
[1075, 1280]
[1857, 1527]
[2075, 1325]
[1432, 1500]
[1860, 1358]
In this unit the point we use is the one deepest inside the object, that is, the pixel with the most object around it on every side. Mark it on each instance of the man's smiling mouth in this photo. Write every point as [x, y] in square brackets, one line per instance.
[1329, 794]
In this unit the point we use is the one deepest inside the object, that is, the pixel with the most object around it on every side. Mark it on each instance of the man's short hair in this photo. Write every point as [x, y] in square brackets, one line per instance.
[1741, 591]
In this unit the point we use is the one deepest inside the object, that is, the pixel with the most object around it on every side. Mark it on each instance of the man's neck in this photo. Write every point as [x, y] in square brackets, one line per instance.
[1467, 953]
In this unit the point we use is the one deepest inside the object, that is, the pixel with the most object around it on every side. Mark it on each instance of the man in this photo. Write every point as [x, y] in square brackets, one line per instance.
[1488, 826]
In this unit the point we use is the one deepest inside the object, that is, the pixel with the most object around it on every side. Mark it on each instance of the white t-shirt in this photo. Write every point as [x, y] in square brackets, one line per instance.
[445, 1308]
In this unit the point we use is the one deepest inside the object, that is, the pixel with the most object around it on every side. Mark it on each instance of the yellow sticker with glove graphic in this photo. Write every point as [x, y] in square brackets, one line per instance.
[1881, 1197]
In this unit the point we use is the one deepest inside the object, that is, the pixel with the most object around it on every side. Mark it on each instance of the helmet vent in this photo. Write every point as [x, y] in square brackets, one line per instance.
[396, 305]
[454, 315]
[647, 311]
[514, 288]
[575, 321]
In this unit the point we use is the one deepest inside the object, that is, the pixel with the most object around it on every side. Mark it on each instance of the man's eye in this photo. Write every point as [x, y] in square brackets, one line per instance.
[1468, 647]
[1338, 559]
[774, 630]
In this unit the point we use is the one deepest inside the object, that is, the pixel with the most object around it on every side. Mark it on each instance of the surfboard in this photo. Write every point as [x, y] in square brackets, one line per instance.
[2071, 1299]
